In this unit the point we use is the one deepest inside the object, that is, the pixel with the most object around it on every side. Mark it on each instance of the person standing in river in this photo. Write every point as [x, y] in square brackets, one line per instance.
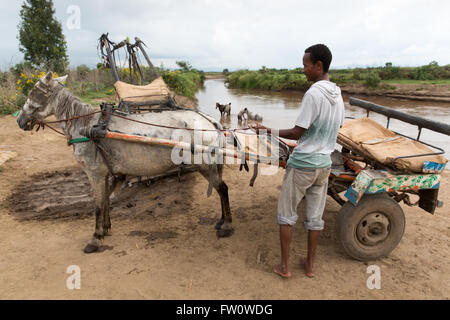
[307, 170]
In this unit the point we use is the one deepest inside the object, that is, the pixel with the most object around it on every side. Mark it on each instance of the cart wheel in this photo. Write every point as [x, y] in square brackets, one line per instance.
[372, 229]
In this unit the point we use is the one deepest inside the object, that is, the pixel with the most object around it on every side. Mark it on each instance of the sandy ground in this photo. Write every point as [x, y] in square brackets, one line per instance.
[163, 245]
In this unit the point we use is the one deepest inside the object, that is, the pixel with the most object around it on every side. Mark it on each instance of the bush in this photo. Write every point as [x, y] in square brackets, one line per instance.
[27, 81]
[11, 99]
[268, 79]
[185, 83]
[20, 68]
[372, 80]
[356, 74]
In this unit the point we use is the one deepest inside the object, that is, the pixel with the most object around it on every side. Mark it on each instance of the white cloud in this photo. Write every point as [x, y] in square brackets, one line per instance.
[237, 34]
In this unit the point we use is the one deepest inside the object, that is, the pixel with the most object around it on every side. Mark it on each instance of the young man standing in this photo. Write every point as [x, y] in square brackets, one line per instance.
[316, 128]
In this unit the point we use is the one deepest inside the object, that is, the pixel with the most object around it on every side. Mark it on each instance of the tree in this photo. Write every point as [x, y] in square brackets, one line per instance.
[186, 66]
[40, 36]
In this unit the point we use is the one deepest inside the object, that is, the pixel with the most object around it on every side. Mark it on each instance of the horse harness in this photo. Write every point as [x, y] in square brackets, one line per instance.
[98, 131]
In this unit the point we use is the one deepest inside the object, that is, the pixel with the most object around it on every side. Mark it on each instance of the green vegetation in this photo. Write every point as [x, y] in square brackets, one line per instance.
[372, 80]
[40, 36]
[268, 79]
[91, 85]
[183, 82]
[386, 77]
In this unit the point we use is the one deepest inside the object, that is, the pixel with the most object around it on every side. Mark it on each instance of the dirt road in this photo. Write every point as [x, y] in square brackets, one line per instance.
[164, 246]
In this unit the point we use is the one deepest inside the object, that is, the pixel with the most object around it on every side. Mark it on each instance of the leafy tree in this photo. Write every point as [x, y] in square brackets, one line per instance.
[186, 66]
[40, 36]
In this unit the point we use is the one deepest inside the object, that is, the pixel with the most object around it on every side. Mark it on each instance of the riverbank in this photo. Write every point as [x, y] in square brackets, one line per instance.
[427, 83]
[410, 91]
[214, 76]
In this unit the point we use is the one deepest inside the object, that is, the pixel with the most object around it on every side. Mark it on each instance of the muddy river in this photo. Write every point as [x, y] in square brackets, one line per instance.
[280, 109]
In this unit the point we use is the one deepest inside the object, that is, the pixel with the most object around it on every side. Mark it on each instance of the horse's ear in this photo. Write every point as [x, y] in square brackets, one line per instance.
[48, 77]
[62, 79]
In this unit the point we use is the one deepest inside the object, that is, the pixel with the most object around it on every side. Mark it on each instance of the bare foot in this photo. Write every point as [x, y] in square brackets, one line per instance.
[308, 269]
[278, 269]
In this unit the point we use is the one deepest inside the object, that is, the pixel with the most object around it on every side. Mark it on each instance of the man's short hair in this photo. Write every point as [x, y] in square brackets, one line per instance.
[320, 52]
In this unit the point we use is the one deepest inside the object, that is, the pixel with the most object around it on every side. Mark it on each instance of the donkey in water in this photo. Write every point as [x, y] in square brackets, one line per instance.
[50, 97]
[224, 109]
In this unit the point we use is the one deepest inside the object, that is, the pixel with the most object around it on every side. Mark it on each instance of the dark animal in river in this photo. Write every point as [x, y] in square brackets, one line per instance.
[224, 108]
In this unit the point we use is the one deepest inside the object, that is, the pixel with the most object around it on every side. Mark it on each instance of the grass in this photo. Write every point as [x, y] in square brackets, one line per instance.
[1, 169]
[91, 96]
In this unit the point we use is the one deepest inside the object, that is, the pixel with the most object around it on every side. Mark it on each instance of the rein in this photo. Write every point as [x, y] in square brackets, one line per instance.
[46, 123]
[170, 127]
[79, 140]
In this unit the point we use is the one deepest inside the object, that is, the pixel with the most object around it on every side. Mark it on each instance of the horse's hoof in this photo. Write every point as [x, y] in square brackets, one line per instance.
[90, 248]
[93, 246]
[107, 233]
[224, 233]
[219, 224]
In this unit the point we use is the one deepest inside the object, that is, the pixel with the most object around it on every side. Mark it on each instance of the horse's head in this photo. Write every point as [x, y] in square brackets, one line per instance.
[38, 106]
[218, 105]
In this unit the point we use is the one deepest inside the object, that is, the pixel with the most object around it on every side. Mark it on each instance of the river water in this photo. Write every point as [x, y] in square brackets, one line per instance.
[280, 109]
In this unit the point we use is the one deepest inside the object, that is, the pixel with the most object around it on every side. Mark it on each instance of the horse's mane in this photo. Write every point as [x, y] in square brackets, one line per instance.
[68, 106]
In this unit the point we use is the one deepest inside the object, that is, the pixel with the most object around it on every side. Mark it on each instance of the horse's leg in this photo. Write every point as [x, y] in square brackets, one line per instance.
[109, 190]
[106, 219]
[224, 228]
[101, 197]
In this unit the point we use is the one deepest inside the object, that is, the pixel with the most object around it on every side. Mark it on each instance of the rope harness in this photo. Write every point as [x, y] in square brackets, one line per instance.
[108, 112]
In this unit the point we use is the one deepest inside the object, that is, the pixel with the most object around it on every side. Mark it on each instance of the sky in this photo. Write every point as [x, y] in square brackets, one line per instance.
[218, 34]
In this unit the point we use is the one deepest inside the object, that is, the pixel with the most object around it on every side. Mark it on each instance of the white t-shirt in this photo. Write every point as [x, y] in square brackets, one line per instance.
[321, 114]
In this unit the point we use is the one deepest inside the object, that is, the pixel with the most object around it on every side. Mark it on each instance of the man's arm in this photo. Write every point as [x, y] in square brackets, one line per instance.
[294, 133]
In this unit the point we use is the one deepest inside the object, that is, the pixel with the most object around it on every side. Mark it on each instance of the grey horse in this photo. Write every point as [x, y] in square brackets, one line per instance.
[50, 97]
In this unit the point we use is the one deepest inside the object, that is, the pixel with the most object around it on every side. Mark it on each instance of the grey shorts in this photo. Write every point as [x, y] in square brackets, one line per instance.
[299, 183]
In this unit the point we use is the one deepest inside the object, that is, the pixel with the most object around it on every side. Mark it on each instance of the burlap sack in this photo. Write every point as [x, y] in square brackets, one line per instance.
[155, 91]
[384, 145]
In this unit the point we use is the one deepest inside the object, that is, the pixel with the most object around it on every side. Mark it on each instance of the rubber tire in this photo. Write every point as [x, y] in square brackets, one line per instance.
[350, 216]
